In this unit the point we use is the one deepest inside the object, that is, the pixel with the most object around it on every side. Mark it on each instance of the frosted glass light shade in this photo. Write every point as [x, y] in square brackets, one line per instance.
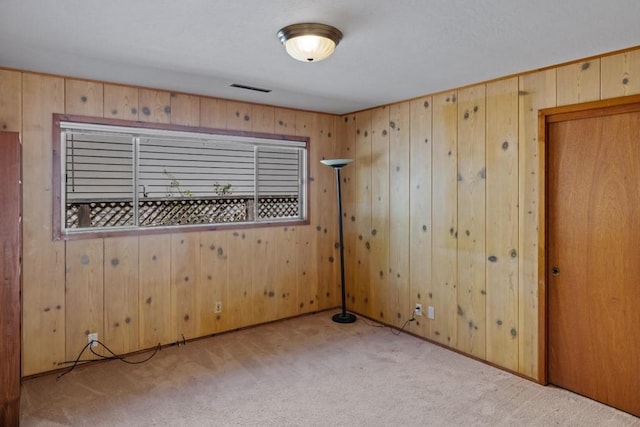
[310, 42]
[310, 48]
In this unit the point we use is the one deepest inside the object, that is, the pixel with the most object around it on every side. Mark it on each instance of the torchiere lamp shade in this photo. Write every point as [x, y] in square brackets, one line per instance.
[336, 163]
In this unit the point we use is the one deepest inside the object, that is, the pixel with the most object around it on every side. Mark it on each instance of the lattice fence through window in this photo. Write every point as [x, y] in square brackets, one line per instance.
[179, 211]
[278, 207]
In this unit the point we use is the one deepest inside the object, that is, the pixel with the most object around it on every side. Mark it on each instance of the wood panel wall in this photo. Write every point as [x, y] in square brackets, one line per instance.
[466, 216]
[136, 292]
[440, 208]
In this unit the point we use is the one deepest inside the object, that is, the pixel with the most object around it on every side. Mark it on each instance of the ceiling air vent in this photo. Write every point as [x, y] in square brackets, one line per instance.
[257, 89]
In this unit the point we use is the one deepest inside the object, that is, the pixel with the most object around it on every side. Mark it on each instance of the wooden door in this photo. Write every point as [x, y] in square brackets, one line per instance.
[10, 253]
[593, 254]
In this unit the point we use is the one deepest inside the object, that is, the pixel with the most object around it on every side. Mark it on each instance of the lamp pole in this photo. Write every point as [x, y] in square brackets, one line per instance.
[343, 316]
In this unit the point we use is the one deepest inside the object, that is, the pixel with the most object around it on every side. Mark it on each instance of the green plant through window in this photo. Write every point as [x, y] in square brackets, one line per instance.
[174, 186]
[222, 190]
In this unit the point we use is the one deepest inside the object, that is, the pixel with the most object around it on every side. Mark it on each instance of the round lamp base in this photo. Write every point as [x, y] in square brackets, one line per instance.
[344, 318]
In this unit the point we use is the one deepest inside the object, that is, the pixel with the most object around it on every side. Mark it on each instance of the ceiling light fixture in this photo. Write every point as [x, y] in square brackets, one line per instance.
[310, 42]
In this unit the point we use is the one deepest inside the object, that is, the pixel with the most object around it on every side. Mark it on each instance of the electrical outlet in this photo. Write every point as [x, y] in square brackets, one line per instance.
[218, 307]
[431, 313]
[92, 339]
[418, 310]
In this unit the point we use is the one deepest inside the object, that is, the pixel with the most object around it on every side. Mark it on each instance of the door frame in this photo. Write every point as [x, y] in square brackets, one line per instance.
[546, 116]
[11, 268]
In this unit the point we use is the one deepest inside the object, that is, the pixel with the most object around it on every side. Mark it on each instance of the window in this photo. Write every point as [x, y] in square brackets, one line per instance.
[115, 177]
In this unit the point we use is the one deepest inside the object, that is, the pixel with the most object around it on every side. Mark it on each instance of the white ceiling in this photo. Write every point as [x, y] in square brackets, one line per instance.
[391, 50]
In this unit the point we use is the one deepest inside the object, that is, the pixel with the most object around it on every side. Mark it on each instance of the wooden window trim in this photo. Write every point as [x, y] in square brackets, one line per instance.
[60, 234]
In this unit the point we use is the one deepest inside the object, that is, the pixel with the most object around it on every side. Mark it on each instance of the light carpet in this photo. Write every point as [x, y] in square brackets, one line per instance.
[306, 371]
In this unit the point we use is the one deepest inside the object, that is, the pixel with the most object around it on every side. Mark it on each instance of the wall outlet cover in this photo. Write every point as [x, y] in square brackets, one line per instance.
[93, 339]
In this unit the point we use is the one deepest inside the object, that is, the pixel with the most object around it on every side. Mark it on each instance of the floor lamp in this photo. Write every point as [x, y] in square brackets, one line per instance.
[338, 164]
